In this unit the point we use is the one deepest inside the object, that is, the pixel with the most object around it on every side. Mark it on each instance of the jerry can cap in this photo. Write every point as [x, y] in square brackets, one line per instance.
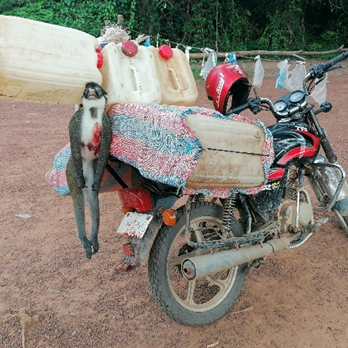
[165, 52]
[129, 48]
[100, 59]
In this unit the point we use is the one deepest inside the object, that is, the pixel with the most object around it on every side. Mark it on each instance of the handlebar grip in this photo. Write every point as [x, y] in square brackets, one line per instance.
[238, 109]
[320, 69]
[334, 61]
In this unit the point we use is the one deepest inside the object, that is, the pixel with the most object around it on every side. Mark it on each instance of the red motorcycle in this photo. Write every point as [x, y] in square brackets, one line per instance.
[199, 249]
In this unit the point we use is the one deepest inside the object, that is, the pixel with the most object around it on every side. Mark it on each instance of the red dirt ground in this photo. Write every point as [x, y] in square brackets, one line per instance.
[52, 296]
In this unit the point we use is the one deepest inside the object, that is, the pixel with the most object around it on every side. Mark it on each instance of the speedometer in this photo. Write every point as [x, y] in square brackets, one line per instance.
[280, 105]
[296, 97]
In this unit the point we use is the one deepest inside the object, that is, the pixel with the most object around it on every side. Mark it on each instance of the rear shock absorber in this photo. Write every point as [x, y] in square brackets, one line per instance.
[228, 216]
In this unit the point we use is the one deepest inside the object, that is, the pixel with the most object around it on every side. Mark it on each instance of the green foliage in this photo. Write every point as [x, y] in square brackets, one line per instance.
[6, 5]
[33, 11]
[88, 15]
[131, 21]
[196, 69]
[222, 25]
[235, 27]
[285, 27]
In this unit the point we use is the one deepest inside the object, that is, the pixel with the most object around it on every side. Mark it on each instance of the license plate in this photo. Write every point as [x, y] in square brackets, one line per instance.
[134, 225]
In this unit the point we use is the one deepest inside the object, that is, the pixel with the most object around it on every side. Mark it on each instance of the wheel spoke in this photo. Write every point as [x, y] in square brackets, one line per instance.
[222, 284]
[191, 285]
[207, 295]
[198, 233]
[176, 261]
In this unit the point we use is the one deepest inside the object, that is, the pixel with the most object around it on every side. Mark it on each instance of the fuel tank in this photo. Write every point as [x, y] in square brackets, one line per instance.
[293, 143]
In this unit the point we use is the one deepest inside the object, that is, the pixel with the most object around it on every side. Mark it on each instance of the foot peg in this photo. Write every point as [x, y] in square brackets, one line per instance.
[320, 221]
[255, 264]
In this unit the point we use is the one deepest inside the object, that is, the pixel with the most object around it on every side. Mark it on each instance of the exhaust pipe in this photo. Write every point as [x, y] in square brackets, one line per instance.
[198, 267]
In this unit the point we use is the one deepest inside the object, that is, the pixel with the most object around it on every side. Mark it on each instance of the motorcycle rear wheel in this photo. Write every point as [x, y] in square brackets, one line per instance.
[196, 302]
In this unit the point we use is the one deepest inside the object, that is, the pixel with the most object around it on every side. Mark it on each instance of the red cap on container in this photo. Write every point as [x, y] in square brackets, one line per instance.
[100, 60]
[165, 52]
[129, 48]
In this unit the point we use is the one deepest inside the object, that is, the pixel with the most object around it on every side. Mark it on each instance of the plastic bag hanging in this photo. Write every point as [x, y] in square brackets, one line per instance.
[282, 77]
[232, 58]
[296, 76]
[209, 64]
[259, 72]
[147, 42]
[319, 93]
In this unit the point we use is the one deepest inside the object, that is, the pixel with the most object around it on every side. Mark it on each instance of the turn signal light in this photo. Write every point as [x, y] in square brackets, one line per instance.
[127, 210]
[169, 217]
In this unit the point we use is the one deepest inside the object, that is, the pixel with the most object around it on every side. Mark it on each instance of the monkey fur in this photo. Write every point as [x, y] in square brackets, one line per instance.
[90, 137]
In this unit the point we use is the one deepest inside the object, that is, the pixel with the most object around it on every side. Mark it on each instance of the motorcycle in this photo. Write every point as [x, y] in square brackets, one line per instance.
[199, 250]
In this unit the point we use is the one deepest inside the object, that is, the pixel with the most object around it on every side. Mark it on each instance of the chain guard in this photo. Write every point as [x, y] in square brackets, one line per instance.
[251, 238]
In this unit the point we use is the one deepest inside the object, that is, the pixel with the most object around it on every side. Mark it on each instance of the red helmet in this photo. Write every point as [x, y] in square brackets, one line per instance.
[225, 81]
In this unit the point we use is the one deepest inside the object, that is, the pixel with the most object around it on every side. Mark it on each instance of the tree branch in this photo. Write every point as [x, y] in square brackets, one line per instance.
[297, 54]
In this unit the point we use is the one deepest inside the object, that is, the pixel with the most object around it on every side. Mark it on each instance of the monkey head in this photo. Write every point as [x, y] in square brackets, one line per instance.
[95, 94]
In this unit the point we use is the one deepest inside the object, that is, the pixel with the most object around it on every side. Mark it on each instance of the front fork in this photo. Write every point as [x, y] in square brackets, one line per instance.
[328, 181]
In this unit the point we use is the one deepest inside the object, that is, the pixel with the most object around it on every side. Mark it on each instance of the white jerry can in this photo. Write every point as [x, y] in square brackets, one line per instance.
[177, 82]
[45, 63]
[129, 74]
[232, 155]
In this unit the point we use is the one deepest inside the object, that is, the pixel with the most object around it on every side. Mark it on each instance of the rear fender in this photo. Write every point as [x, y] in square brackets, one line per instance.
[136, 250]
[137, 198]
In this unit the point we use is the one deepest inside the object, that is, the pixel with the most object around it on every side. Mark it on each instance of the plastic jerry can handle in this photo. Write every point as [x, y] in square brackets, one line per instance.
[176, 81]
[137, 80]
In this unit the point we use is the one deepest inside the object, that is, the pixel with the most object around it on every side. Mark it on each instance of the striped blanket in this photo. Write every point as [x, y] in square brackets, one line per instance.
[156, 140]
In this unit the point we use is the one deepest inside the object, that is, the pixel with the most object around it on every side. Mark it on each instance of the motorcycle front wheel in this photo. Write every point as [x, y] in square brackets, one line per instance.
[196, 302]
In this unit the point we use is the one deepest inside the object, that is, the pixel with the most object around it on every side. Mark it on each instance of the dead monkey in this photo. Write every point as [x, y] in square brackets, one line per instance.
[90, 137]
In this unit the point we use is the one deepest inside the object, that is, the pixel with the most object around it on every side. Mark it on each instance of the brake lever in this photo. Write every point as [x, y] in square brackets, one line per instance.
[334, 68]
[319, 79]
[319, 72]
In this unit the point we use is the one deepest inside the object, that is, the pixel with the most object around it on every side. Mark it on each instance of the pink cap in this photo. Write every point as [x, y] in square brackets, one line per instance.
[165, 52]
[129, 48]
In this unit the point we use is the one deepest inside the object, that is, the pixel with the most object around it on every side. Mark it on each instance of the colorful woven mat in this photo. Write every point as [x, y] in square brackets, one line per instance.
[156, 140]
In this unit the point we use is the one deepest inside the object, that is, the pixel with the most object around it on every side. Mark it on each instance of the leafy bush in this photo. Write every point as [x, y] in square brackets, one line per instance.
[226, 25]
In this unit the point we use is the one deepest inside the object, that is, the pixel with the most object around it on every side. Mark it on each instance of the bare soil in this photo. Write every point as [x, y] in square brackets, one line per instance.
[52, 296]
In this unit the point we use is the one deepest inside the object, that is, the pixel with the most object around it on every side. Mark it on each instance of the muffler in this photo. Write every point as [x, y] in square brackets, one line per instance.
[201, 266]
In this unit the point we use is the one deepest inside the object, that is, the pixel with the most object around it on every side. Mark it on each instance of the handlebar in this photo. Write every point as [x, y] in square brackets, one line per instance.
[253, 104]
[334, 61]
[238, 109]
[318, 70]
